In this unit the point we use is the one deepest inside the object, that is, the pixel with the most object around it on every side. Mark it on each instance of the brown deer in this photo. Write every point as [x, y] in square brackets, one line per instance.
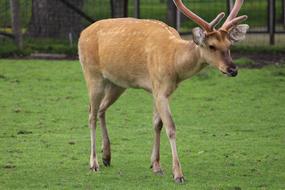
[122, 53]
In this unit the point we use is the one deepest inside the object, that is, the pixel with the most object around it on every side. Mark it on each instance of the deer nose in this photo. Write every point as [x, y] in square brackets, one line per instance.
[232, 71]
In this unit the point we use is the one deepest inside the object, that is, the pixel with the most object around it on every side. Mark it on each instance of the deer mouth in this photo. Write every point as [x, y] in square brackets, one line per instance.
[230, 73]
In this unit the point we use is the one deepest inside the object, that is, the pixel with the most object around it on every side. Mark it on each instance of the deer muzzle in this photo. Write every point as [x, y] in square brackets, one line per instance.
[232, 71]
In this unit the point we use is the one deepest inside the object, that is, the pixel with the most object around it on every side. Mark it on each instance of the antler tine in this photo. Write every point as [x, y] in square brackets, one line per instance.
[217, 20]
[205, 25]
[232, 20]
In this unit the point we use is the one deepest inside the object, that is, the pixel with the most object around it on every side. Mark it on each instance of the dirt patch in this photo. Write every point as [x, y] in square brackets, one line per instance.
[23, 132]
[260, 60]
[9, 166]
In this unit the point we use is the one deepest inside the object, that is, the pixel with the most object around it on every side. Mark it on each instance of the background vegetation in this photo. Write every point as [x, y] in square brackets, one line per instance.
[157, 9]
[152, 9]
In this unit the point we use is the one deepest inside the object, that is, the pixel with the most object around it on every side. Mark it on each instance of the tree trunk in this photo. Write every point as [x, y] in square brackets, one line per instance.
[119, 8]
[53, 19]
[16, 23]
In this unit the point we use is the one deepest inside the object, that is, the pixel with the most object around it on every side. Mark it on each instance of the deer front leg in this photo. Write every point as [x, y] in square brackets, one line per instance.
[157, 125]
[162, 105]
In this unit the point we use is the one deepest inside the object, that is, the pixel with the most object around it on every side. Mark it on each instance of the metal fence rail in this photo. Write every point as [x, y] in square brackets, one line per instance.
[266, 17]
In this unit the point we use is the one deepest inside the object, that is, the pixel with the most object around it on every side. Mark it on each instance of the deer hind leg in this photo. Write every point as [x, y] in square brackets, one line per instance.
[155, 156]
[112, 93]
[96, 92]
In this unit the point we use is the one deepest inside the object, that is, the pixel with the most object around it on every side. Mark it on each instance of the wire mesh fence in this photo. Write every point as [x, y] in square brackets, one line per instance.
[258, 11]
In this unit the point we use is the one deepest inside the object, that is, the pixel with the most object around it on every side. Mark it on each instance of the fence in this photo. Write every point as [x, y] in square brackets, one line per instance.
[266, 17]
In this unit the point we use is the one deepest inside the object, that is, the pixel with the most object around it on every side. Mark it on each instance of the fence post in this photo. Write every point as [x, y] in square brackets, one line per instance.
[271, 21]
[283, 12]
[16, 22]
[126, 8]
[119, 8]
[230, 4]
[77, 10]
[171, 13]
[137, 8]
[178, 20]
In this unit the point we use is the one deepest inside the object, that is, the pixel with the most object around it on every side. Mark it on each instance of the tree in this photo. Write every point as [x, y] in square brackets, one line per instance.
[53, 19]
[16, 23]
[119, 8]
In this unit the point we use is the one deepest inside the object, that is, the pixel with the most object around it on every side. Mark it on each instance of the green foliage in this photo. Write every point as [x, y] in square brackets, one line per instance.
[9, 49]
[230, 131]
[25, 13]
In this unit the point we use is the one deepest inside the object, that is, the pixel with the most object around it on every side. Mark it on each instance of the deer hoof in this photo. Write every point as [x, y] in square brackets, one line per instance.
[94, 168]
[158, 172]
[156, 169]
[179, 180]
[106, 162]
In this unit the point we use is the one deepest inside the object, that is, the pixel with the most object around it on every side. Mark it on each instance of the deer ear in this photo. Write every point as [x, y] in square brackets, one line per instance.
[198, 35]
[237, 33]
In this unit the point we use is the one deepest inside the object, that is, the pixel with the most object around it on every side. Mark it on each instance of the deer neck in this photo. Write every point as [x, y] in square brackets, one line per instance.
[189, 60]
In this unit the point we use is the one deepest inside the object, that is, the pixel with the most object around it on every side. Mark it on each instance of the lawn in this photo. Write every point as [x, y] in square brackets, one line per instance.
[230, 131]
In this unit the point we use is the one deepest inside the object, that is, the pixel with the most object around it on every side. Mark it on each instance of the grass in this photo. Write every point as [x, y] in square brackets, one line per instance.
[230, 131]
[9, 49]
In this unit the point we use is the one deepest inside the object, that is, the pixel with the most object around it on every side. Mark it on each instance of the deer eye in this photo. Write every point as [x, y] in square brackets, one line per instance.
[213, 48]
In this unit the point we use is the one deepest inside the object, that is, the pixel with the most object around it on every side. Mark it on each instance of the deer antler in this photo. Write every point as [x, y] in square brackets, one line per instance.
[209, 27]
[232, 19]
[217, 20]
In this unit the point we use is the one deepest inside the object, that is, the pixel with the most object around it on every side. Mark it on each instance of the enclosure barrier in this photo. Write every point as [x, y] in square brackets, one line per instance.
[265, 16]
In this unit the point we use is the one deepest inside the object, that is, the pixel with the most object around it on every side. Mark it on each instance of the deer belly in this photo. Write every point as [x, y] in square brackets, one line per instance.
[127, 80]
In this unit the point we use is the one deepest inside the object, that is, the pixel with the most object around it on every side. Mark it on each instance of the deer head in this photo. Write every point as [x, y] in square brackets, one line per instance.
[215, 43]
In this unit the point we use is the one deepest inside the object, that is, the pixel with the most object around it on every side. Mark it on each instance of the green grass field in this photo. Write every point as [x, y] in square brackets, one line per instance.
[230, 131]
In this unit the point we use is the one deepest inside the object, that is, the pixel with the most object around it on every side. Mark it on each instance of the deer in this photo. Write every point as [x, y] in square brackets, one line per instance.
[121, 53]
